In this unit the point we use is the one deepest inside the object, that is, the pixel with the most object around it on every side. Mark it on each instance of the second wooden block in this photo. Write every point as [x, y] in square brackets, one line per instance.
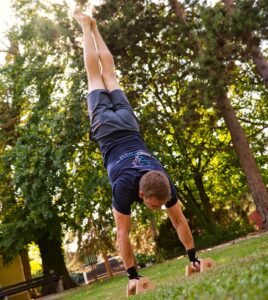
[205, 264]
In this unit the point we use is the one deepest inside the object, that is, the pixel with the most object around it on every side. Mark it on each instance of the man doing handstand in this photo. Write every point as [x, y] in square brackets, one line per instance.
[134, 174]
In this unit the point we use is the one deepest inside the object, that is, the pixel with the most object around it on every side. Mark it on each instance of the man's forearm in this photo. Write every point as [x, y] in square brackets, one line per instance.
[184, 234]
[181, 225]
[126, 250]
[123, 223]
[183, 230]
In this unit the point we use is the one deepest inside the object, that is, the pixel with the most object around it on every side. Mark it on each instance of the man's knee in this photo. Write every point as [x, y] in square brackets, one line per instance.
[107, 63]
[110, 81]
[107, 56]
[95, 82]
[109, 76]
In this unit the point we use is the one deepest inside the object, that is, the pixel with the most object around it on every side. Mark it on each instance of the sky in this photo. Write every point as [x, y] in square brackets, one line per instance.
[7, 19]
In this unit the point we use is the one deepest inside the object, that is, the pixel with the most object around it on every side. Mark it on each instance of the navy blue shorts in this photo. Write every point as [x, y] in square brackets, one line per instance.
[109, 112]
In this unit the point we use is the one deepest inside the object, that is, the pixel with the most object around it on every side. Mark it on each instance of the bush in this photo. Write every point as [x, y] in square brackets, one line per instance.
[221, 235]
[168, 242]
[170, 246]
[143, 260]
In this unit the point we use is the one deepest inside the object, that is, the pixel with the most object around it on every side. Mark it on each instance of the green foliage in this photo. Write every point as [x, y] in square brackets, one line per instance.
[56, 176]
[143, 260]
[167, 240]
[233, 230]
[52, 176]
[170, 247]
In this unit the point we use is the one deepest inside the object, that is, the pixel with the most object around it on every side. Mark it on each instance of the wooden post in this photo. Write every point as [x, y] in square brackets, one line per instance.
[85, 277]
[107, 264]
[59, 286]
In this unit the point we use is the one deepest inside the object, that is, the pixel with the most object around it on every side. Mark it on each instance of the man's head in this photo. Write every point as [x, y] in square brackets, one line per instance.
[154, 189]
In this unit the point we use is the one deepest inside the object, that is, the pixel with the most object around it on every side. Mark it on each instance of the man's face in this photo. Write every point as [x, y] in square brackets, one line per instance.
[152, 202]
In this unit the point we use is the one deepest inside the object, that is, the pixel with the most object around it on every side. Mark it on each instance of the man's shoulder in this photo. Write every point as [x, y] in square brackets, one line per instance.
[127, 185]
[126, 182]
[125, 192]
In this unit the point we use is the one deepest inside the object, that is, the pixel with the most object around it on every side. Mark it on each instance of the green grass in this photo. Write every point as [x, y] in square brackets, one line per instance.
[241, 273]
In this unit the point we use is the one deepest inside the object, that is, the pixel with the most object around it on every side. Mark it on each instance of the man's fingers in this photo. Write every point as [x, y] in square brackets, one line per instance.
[195, 266]
[132, 284]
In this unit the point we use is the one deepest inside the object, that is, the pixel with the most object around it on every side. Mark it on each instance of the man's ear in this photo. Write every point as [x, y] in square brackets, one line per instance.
[141, 194]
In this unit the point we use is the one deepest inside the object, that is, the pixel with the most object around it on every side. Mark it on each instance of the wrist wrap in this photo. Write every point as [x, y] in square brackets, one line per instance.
[132, 273]
[192, 256]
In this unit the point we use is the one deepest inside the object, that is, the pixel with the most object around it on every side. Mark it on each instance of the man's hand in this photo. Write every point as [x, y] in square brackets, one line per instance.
[195, 266]
[195, 262]
[132, 283]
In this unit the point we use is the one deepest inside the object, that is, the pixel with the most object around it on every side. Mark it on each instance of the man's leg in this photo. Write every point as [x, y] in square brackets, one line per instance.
[107, 61]
[91, 57]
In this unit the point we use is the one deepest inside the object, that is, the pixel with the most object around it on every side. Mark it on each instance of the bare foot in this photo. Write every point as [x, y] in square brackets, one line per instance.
[84, 19]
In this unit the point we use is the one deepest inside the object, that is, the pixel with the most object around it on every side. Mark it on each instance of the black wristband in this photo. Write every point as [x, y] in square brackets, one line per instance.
[132, 273]
[191, 254]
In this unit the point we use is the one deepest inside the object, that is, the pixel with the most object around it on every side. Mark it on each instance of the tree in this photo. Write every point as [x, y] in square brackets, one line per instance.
[241, 145]
[38, 155]
[246, 35]
[217, 59]
[53, 139]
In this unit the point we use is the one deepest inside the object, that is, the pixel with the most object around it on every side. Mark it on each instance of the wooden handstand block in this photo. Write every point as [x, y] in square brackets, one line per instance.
[205, 264]
[142, 285]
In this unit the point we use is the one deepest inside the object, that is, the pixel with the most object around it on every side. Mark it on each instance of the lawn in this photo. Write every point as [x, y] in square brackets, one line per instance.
[241, 272]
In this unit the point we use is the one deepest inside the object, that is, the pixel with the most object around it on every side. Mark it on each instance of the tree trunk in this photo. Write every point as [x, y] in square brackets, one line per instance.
[254, 49]
[155, 233]
[193, 208]
[107, 264]
[26, 264]
[53, 261]
[27, 272]
[259, 59]
[179, 10]
[247, 161]
[229, 5]
[204, 198]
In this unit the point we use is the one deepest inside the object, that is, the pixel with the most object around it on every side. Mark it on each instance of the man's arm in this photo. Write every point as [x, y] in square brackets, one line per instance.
[181, 225]
[123, 223]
